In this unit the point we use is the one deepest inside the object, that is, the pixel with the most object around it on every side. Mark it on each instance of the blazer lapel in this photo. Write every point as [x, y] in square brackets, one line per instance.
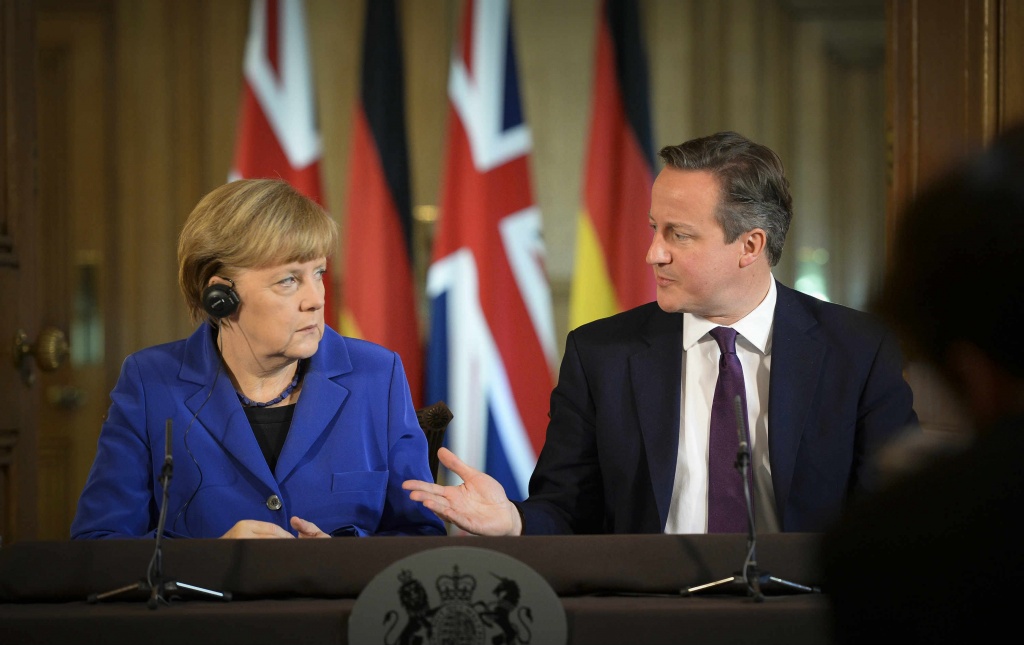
[795, 375]
[319, 403]
[218, 410]
[656, 374]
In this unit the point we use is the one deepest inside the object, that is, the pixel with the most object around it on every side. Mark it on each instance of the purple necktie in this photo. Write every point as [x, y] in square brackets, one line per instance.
[727, 508]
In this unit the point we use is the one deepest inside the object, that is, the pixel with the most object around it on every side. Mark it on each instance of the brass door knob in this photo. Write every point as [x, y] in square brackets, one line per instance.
[49, 351]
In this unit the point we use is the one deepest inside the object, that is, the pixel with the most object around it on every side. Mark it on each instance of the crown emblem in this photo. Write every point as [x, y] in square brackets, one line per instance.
[456, 587]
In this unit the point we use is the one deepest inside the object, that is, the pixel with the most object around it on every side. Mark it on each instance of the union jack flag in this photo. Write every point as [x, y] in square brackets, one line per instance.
[492, 352]
[278, 135]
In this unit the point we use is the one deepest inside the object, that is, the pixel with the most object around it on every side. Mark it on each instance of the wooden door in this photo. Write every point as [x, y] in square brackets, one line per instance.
[54, 257]
[74, 118]
[18, 274]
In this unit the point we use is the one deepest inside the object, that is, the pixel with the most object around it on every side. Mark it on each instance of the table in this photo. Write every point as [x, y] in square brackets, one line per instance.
[614, 589]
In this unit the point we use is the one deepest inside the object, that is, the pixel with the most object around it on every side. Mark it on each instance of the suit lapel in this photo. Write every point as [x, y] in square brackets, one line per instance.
[656, 373]
[797, 354]
[219, 410]
[319, 403]
[225, 420]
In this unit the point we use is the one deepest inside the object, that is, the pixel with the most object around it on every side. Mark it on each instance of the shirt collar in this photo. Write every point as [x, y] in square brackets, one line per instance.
[755, 327]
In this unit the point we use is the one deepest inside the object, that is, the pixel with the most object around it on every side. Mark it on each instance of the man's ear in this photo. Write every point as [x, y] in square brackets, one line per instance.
[754, 242]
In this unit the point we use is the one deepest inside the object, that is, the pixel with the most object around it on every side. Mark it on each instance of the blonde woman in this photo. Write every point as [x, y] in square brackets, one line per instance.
[281, 427]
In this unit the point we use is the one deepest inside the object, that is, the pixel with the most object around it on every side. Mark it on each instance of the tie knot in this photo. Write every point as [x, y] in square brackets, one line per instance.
[726, 339]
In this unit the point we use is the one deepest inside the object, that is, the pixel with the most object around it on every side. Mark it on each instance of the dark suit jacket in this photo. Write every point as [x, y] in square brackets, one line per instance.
[836, 394]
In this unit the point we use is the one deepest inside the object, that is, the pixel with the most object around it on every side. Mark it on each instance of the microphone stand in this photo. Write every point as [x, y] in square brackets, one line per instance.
[750, 580]
[154, 583]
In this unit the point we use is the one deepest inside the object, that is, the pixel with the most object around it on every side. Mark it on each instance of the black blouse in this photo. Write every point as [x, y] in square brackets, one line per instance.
[270, 425]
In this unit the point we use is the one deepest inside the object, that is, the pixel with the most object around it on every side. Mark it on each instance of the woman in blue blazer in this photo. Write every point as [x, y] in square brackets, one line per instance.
[281, 427]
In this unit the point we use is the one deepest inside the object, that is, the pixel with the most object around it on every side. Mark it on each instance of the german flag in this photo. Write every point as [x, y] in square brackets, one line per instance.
[612, 236]
[378, 293]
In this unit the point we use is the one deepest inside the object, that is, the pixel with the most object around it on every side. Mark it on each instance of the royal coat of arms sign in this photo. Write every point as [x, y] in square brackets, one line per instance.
[458, 596]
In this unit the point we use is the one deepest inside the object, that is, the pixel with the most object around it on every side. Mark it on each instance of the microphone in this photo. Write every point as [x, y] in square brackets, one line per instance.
[154, 574]
[168, 451]
[159, 587]
[750, 573]
[743, 455]
[751, 580]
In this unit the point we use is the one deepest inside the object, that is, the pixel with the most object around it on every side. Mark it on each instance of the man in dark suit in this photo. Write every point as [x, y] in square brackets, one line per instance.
[627, 447]
[936, 556]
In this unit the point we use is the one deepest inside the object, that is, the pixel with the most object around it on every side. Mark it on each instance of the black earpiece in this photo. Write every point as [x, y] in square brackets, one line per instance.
[221, 300]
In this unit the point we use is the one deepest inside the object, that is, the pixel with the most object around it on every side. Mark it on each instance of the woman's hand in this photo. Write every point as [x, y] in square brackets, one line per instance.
[256, 529]
[307, 529]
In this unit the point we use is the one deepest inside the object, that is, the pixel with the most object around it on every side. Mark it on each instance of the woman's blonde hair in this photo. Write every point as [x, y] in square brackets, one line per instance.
[249, 224]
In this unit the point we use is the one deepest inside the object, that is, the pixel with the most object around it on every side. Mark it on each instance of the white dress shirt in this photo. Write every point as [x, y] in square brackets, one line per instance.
[689, 510]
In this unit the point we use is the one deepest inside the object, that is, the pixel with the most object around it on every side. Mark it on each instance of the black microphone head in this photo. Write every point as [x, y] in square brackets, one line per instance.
[168, 443]
[741, 426]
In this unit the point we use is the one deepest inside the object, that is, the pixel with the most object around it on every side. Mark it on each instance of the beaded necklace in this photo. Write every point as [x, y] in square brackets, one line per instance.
[249, 403]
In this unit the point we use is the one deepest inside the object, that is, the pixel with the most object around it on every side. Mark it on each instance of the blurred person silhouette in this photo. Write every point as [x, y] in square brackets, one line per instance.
[281, 427]
[935, 556]
[631, 445]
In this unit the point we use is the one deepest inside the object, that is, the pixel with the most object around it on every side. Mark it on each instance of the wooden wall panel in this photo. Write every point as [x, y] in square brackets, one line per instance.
[1010, 47]
[955, 78]
[222, 39]
[76, 186]
[901, 133]
[19, 282]
[942, 86]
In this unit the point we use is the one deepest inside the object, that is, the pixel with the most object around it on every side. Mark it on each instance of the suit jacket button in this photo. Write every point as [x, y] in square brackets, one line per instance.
[274, 503]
